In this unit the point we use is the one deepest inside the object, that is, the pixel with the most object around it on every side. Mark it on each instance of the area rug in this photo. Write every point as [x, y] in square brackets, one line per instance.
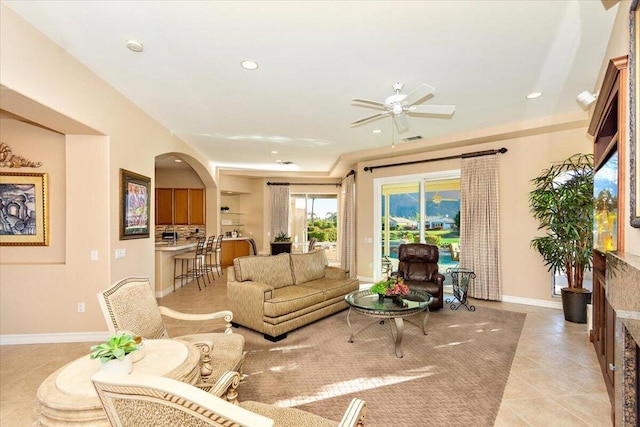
[454, 376]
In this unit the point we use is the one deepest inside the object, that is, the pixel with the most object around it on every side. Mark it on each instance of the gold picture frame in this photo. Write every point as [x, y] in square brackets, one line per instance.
[134, 205]
[24, 209]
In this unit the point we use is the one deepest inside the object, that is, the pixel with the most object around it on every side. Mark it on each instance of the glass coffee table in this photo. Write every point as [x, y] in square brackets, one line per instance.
[369, 304]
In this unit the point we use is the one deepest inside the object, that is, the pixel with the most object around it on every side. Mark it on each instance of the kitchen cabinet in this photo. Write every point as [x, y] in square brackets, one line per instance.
[164, 206]
[180, 206]
[233, 248]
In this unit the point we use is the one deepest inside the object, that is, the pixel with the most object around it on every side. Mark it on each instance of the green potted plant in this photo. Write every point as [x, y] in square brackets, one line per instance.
[282, 237]
[562, 202]
[281, 243]
[113, 353]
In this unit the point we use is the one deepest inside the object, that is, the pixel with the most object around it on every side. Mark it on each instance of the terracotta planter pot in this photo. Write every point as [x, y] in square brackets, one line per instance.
[574, 304]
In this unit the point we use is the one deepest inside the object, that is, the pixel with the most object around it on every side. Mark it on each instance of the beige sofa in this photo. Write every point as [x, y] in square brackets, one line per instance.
[276, 294]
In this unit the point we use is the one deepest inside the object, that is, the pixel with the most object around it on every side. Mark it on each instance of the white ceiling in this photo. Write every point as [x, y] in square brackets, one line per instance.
[314, 57]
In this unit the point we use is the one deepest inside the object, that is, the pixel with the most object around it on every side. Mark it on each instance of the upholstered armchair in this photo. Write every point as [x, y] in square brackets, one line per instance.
[418, 266]
[130, 305]
[145, 400]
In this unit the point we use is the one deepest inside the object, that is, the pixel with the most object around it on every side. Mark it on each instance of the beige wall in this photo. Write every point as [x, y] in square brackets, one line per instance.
[177, 178]
[39, 145]
[523, 273]
[40, 297]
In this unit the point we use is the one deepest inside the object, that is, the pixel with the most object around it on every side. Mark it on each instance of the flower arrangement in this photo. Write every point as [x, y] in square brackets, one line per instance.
[391, 286]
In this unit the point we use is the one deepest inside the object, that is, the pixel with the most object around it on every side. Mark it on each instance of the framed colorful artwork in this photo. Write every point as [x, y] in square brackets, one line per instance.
[24, 209]
[134, 205]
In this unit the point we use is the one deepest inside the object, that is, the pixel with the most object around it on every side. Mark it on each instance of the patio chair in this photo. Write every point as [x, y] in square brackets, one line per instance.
[138, 400]
[130, 305]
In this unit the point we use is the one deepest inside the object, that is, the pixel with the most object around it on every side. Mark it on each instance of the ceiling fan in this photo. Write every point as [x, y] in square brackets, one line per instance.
[400, 104]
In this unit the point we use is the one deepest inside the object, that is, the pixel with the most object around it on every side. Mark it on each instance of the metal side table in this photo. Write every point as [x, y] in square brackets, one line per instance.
[460, 279]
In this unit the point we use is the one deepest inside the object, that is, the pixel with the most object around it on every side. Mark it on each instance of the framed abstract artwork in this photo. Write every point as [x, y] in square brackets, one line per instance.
[134, 205]
[24, 209]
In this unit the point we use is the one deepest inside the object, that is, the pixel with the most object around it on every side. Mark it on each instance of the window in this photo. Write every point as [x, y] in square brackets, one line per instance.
[314, 216]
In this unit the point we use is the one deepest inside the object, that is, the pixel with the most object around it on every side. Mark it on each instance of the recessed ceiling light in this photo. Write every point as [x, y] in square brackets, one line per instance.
[177, 160]
[274, 152]
[249, 64]
[534, 95]
[377, 131]
[134, 46]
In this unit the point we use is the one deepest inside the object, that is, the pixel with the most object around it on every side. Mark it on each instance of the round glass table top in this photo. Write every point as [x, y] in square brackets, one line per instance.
[414, 301]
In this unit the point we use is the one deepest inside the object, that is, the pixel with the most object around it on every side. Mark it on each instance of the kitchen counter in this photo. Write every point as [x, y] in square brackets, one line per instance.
[179, 245]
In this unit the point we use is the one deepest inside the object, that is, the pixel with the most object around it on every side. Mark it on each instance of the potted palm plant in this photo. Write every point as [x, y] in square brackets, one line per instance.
[562, 202]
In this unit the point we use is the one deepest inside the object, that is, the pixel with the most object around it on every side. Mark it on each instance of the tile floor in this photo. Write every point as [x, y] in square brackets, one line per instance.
[555, 379]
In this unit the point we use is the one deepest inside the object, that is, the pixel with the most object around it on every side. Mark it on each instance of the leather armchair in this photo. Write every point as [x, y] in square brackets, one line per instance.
[418, 266]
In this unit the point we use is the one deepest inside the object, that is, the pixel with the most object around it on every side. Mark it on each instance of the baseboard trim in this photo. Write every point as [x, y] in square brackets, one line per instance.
[532, 301]
[53, 338]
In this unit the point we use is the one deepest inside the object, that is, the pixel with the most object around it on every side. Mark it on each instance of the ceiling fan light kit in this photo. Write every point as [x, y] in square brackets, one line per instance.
[400, 105]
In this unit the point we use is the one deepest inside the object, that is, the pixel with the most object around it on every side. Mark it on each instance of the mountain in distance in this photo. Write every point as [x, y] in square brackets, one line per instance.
[406, 205]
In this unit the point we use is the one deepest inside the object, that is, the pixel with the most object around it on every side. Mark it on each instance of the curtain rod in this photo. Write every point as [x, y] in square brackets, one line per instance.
[458, 156]
[337, 184]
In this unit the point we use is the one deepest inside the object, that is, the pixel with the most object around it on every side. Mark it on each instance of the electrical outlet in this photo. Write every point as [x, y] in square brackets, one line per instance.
[80, 307]
[94, 255]
[121, 253]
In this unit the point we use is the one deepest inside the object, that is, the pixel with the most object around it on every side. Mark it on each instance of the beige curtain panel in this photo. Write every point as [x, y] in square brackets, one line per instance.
[480, 225]
[348, 229]
[279, 210]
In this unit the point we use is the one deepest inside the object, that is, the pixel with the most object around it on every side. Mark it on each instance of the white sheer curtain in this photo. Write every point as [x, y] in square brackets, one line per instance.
[279, 210]
[480, 225]
[348, 229]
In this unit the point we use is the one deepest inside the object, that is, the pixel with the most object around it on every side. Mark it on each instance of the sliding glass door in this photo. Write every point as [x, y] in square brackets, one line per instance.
[416, 209]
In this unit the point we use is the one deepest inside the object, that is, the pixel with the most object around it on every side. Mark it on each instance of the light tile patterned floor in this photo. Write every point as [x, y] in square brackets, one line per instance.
[555, 379]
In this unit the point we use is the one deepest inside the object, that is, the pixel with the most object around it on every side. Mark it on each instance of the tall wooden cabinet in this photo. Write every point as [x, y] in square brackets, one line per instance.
[608, 127]
[180, 206]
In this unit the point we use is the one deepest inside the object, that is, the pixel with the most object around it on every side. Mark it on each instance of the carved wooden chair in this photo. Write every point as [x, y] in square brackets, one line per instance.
[137, 400]
[130, 305]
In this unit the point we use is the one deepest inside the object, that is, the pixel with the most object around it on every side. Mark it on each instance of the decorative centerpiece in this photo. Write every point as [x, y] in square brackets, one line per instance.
[392, 287]
[114, 353]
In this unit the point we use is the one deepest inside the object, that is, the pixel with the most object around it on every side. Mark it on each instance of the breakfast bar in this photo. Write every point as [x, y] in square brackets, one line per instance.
[165, 251]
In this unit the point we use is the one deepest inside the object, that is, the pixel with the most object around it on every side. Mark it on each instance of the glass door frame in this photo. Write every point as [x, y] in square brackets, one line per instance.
[378, 183]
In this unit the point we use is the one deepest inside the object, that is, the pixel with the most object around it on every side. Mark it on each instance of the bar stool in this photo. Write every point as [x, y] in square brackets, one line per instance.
[195, 262]
[208, 253]
[217, 256]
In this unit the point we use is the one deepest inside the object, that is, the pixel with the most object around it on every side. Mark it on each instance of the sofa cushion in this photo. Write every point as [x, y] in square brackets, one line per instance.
[332, 288]
[272, 270]
[308, 266]
[291, 298]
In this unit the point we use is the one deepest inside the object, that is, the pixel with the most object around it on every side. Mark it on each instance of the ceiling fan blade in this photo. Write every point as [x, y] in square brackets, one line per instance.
[446, 110]
[374, 116]
[418, 93]
[366, 101]
[402, 124]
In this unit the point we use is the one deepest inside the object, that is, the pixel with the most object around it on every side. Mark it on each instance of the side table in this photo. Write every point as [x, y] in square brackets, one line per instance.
[460, 280]
[67, 396]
